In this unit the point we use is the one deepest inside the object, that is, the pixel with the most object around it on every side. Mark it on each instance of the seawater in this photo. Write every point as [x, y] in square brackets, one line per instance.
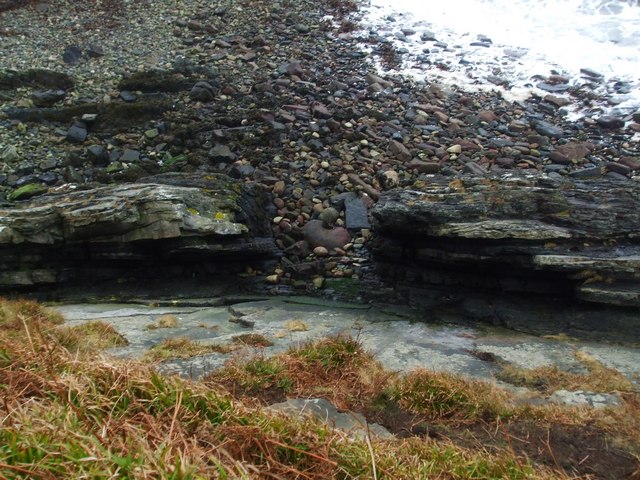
[528, 39]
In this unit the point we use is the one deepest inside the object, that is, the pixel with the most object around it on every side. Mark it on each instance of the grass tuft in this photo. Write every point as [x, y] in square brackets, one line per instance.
[164, 321]
[90, 336]
[442, 395]
[183, 347]
[598, 378]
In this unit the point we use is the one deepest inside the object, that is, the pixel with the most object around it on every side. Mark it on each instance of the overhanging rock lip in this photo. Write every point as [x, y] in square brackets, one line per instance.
[622, 263]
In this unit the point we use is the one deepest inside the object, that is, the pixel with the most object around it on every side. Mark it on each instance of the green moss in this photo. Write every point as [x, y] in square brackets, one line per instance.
[172, 163]
[348, 287]
[27, 191]
[36, 77]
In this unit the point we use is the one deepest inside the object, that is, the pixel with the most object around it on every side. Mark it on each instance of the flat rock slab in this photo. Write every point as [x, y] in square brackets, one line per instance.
[398, 337]
[353, 424]
[123, 213]
[534, 208]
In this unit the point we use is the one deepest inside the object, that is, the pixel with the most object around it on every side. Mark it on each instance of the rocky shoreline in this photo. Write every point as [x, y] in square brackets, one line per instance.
[277, 97]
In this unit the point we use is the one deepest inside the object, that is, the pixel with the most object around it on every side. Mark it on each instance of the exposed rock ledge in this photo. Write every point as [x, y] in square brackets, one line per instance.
[530, 253]
[171, 225]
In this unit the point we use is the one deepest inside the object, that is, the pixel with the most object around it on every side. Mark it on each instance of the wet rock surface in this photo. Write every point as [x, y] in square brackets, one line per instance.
[402, 339]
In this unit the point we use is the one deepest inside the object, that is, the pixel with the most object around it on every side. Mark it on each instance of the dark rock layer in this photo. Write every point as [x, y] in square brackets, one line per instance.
[172, 226]
[530, 253]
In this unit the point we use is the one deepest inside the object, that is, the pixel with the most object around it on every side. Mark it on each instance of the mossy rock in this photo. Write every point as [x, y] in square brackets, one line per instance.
[61, 114]
[27, 191]
[110, 116]
[36, 77]
[156, 81]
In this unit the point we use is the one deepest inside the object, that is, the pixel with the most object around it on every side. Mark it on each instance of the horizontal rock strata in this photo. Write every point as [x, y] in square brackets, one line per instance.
[533, 253]
[173, 223]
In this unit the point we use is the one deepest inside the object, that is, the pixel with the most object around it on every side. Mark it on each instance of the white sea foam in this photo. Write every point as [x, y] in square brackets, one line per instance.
[528, 38]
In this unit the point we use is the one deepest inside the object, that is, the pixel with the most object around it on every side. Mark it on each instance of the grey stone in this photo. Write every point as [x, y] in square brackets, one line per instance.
[581, 398]
[399, 151]
[95, 51]
[72, 55]
[98, 155]
[353, 424]
[356, 214]
[242, 171]
[47, 98]
[221, 154]
[474, 168]
[77, 133]
[592, 172]
[48, 178]
[9, 154]
[591, 73]
[129, 156]
[202, 92]
[128, 96]
[48, 164]
[548, 130]
[89, 117]
[328, 217]
[292, 67]
[610, 122]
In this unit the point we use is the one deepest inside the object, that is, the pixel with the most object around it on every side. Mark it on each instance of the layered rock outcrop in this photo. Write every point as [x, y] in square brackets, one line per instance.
[528, 252]
[169, 225]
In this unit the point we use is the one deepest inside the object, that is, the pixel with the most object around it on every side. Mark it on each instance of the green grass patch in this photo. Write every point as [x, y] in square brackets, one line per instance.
[330, 353]
[440, 395]
[68, 413]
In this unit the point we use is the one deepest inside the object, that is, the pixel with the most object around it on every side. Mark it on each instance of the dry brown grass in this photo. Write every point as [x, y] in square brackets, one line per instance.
[164, 321]
[336, 369]
[183, 347]
[68, 415]
[93, 336]
[597, 378]
[72, 415]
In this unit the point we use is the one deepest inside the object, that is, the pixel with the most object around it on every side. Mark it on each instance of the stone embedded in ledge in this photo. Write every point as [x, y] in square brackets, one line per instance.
[622, 294]
[622, 264]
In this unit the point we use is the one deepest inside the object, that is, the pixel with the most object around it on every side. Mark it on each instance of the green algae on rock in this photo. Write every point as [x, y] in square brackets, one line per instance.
[27, 191]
